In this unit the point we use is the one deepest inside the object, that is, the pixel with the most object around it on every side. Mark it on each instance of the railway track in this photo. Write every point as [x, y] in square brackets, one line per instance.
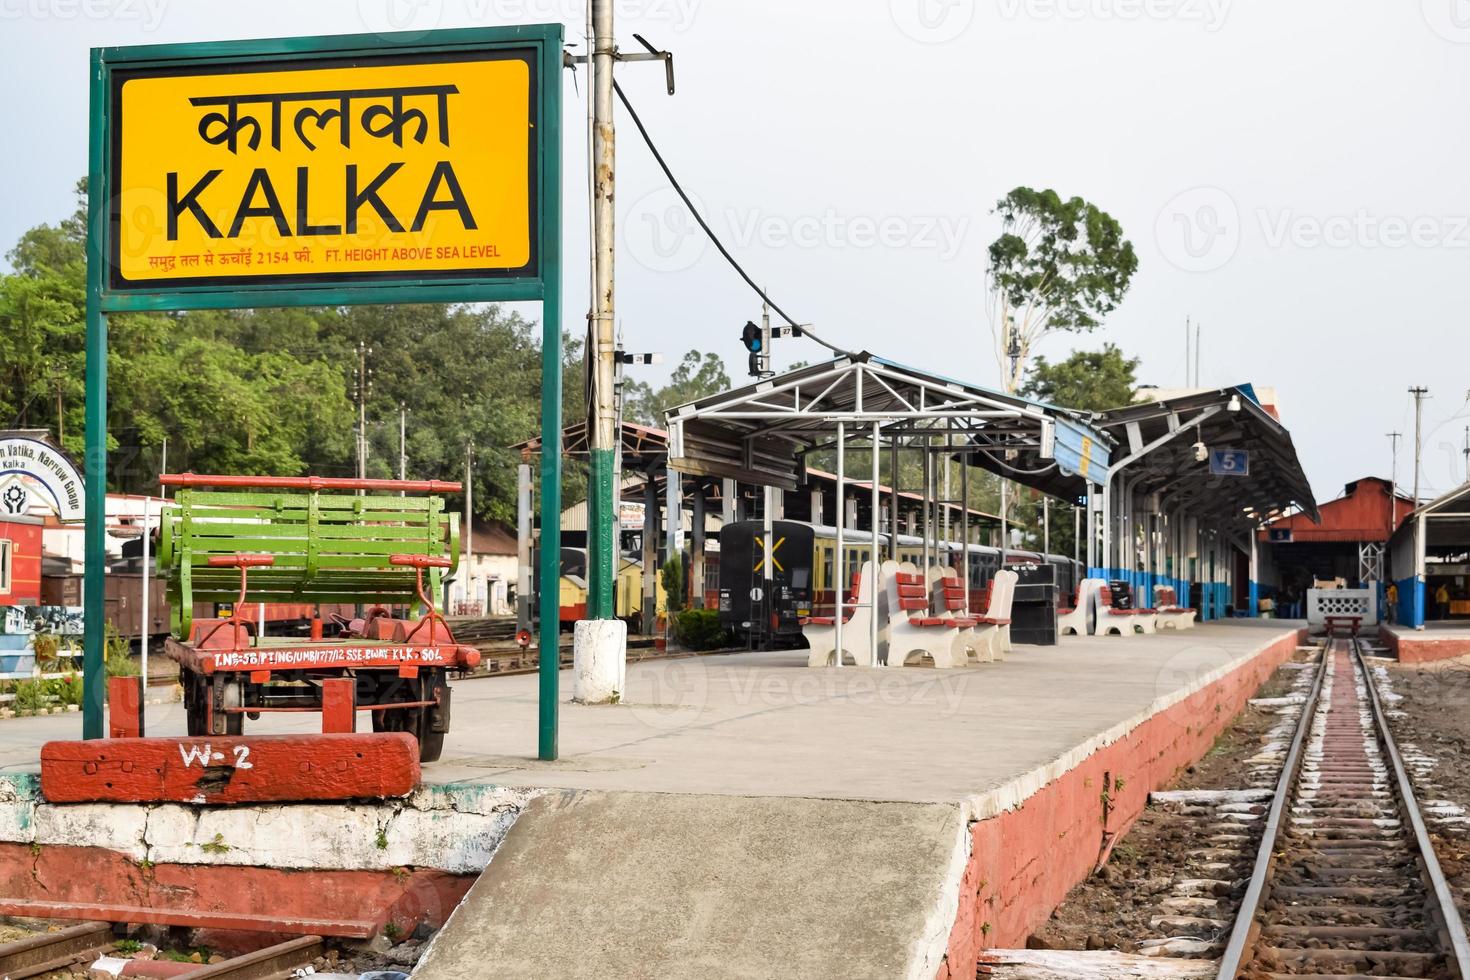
[1346, 884]
[77, 947]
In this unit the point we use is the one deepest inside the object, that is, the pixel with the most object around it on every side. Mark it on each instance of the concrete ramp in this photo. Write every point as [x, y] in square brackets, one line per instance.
[628, 885]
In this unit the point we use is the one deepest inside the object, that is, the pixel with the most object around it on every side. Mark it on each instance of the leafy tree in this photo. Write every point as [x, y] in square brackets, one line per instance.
[271, 391]
[1058, 265]
[697, 376]
[1090, 381]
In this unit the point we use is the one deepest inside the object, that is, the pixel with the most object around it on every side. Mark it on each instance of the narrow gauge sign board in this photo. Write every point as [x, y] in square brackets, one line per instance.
[291, 168]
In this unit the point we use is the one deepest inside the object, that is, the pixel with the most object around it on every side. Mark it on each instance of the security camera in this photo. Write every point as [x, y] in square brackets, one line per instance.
[1201, 452]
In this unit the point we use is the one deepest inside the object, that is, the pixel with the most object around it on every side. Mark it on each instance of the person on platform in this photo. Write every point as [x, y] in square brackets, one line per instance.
[1442, 602]
[1391, 602]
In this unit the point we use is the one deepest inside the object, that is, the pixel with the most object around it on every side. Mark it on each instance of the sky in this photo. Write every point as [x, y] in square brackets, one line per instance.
[1292, 175]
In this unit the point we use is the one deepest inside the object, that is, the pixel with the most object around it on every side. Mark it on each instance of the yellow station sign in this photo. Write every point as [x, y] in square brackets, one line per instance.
[325, 171]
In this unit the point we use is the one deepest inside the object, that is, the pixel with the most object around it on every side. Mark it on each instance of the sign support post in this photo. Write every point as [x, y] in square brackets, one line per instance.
[94, 583]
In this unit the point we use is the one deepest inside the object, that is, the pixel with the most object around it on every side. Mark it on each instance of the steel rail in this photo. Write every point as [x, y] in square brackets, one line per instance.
[1250, 906]
[51, 951]
[272, 963]
[1449, 913]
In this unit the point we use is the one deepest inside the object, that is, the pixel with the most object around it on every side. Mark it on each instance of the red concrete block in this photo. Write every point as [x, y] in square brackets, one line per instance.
[339, 705]
[75, 882]
[125, 707]
[243, 769]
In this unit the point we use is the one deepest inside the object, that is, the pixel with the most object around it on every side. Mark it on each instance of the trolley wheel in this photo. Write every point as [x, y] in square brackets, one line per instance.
[428, 725]
[434, 721]
[229, 692]
[196, 700]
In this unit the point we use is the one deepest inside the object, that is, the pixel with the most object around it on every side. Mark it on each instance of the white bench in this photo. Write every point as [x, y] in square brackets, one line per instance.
[857, 629]
[1169, 613]
[1073, 621]
[951, 600]
[913, 631]
[1124, 622]
[998, 612]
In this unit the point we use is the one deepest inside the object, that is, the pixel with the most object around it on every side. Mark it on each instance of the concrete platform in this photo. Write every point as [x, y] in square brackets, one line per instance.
[1437, 641]
[747, 816]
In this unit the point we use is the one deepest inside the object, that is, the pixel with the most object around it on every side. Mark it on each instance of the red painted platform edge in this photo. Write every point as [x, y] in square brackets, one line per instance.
[1420, 647]
[1023, 862]
[213, 770]
[70, 881]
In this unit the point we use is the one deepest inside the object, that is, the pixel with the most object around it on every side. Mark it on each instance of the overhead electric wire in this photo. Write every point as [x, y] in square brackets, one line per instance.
[699, 218]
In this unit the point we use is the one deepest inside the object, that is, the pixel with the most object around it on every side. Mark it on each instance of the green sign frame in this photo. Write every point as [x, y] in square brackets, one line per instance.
[544, 285]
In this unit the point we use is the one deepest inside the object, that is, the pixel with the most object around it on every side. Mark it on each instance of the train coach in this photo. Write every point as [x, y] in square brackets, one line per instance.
[768, 612]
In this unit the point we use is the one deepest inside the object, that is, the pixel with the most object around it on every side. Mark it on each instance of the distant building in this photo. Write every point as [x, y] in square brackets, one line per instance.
[486, 585]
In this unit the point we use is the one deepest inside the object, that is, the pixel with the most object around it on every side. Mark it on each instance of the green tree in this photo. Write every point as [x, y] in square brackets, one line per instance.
[270, 391]
[697, 376]
[1090, 381]
[1058, 265]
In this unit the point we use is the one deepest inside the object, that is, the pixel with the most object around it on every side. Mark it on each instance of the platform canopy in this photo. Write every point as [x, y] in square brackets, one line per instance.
[1164, 434]
[759, 433]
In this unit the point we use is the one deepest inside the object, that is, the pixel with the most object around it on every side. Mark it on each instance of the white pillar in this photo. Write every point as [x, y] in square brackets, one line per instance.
[876, 559]
[839, 563]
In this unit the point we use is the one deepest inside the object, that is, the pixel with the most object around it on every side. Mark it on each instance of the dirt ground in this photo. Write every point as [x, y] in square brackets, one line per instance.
[1432, 713]
[1114, 909]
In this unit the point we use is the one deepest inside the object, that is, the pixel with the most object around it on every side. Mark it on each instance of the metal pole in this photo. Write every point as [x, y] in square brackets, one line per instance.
[673, 512]
[945, 521]
[469, 523]
[839, 560]
[147, 623]
[1004, 525]
[402, 442]
[876, 508]
[600, 551]
[965, 523]
[94, 680]
[1393, 484]
[551, 417]
[1077, 535]
[696, 547]
[893, 498]
[928, 529]
[1418, 392]
[1045, 525]
[650, 553]
[523, 547]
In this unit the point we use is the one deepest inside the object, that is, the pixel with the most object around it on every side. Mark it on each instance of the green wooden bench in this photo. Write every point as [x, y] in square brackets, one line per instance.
[328, 547]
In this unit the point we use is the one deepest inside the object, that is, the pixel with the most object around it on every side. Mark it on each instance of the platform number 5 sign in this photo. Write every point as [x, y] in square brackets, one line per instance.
[1230, 462]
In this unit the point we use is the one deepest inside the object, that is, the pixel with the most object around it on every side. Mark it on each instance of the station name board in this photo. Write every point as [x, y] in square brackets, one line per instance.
[414, 165]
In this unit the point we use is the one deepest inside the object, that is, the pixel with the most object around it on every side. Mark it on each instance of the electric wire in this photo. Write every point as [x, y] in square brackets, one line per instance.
[709, 232]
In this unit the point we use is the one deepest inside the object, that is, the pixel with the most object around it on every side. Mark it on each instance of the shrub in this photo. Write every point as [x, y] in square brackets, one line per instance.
[29, 696]
[118, 654]
[700, 629]
[69, 689]
[672, 576]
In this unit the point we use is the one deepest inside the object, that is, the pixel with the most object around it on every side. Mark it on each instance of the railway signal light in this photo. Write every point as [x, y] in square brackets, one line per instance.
[757, 340]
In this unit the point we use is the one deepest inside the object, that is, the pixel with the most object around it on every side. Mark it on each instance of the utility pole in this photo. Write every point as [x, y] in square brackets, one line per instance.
[1393, 484]
[1197, 343]
[1418, 391]
[469, 521]
[604, 435]
[1466, 451]
[402, 441]
[364, 382]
